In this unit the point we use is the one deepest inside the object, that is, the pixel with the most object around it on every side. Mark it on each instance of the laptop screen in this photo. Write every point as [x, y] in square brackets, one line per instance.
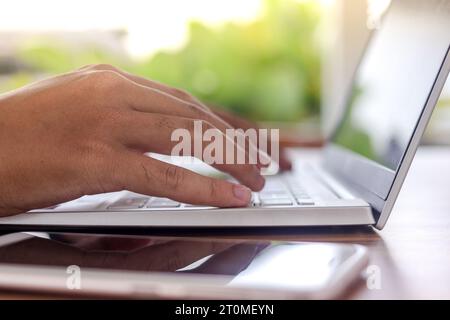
[394, 81]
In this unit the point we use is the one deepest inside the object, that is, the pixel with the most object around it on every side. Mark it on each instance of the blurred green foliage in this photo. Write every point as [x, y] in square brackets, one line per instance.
[49, 57]
[268, 69]
[45, 56]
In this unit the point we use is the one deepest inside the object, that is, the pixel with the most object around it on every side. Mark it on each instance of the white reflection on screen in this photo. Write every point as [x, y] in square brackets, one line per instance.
[290, 266]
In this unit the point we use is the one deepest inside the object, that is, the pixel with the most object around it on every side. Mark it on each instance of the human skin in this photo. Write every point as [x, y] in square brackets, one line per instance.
[87, 132]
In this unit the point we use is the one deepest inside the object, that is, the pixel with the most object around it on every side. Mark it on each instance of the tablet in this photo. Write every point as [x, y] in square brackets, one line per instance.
[141, 267]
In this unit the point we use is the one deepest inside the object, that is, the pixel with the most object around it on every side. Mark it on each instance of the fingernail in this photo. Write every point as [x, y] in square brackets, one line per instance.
[242, 193]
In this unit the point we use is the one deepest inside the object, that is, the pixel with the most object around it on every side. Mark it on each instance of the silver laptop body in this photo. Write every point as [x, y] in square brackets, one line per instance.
[362, 168]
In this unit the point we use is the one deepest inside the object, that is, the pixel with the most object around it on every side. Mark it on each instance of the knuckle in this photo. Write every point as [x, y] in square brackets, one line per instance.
[109, 77]
[106, 79]
[173, 177]
[213, 189]
[106, 83]
[99, 66]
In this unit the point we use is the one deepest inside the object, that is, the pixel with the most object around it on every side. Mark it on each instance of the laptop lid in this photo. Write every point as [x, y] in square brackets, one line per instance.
[394, 91]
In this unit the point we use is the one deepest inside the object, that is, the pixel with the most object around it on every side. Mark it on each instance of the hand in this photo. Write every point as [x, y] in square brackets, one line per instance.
[86, 132]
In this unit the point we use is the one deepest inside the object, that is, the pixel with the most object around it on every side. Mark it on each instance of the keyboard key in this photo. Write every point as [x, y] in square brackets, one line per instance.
[305, 202]
[302, 197]
[268, 196]
[277, 202]
[274, 186]
[163, 203]
[129, 203]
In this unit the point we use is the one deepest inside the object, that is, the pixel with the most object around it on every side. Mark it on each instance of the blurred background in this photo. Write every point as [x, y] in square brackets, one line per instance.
[287, 63]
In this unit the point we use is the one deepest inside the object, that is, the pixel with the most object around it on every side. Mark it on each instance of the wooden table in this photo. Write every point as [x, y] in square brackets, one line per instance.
[412, 251]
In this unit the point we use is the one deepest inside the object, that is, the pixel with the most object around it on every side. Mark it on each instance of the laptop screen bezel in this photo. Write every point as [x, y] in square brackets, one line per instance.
[369, 178]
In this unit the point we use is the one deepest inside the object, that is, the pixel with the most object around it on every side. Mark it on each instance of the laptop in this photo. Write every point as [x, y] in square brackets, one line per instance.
[361, 169]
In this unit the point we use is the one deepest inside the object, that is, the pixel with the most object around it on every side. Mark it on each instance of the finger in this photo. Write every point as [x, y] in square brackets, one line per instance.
[143, 129]
[141, 174]
[262, 159]
[284, 162]
[144, 99]
[238, 122]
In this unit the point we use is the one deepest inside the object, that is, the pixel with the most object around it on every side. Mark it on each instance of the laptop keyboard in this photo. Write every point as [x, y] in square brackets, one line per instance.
[283, 191]
[278, 191]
